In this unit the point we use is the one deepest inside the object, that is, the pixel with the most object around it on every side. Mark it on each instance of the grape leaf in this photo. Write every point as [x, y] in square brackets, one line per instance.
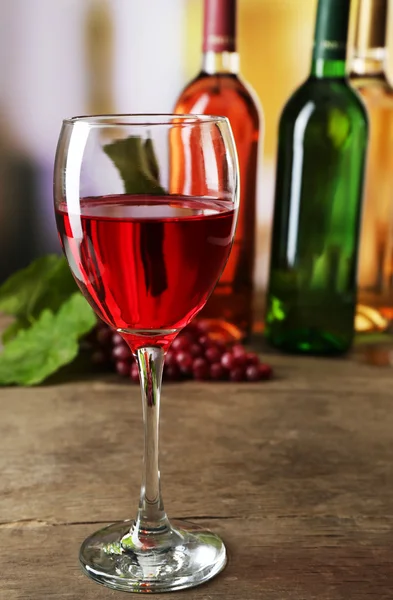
[137, 165]
[151, 159]
[51, 342]
[45, 283]
[50, 314]
[11, 331]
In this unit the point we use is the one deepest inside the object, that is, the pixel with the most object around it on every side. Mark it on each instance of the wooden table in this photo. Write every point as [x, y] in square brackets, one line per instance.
[295, 474]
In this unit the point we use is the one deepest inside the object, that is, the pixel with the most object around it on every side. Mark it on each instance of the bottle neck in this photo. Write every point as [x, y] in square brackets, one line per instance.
[330, 39]
[370, 45]
[219, 37]
[220, 62]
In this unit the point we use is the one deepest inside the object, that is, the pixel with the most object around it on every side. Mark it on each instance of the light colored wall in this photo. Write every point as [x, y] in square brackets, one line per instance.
[67, 57]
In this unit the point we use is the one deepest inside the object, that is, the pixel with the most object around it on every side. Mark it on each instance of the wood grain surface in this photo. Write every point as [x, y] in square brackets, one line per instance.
[295, 474]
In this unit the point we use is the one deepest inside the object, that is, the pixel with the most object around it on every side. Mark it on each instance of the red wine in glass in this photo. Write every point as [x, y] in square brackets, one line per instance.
[147, 263]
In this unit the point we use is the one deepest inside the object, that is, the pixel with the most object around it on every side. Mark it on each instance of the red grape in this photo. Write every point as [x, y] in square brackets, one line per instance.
[221, 345]
[238, 350]
[117, 339]
[184, 360]
[213, 354]
[252, 358]
[170, 358]
[181, 343]
[265, 371]
[240, 361]
[200, 369]
[217, 372]
[122, 352]
[237, 374]
[195, 350]
[134, 373]
[123, 367]
[205, 341]
[203, 327]
[252, 373]
[228, 360]
[195, 354]
[240, 355]
[191, 337]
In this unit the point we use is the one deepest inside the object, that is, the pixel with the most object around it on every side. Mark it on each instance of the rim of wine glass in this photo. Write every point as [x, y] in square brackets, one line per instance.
[140, 119]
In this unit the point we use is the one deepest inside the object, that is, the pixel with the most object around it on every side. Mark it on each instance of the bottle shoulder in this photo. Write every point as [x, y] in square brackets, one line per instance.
[221, 91]
[320, 98]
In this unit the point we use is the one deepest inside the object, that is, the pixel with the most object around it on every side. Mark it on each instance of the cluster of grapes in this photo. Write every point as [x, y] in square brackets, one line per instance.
[194, 354]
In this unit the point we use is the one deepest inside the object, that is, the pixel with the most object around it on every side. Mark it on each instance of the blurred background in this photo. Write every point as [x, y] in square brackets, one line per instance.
[70, 57]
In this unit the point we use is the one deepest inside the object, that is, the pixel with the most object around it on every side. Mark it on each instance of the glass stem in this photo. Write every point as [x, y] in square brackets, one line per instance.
[151, 520]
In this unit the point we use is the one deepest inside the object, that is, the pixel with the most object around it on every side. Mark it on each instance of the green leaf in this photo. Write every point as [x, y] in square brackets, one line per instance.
[137, 164]
[152, 159]
[50, 343]
[50, 314]
[45, 283]
[13, 329]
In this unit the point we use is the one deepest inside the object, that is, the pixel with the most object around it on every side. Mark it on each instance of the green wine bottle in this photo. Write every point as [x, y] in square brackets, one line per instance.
[323, 136]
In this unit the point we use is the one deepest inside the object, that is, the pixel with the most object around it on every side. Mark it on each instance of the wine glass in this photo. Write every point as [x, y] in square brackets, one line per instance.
[146, 209]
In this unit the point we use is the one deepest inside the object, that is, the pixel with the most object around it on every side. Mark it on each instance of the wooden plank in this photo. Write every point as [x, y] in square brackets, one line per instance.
[306, 443]
[296, 474]
[273, 559]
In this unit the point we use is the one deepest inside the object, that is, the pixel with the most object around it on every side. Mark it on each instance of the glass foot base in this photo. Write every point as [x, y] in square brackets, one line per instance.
[186, 556]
